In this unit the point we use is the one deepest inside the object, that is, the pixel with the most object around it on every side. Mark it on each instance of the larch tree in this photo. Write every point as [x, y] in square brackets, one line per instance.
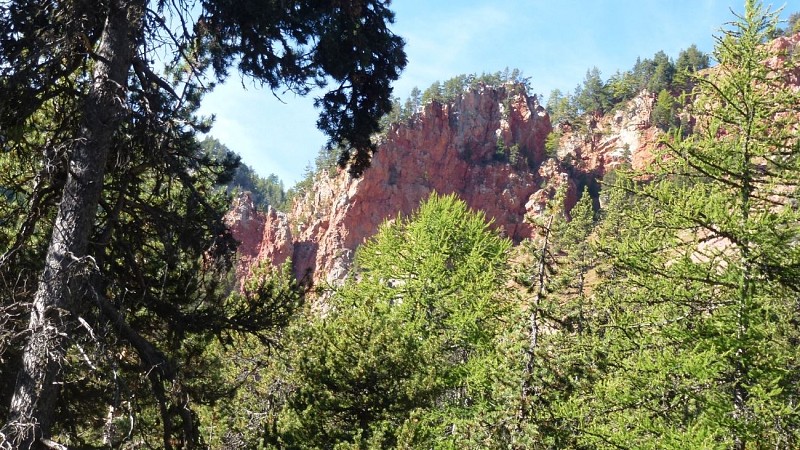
[406, 356]
[113, 135]
[551, 336]
[699, 328]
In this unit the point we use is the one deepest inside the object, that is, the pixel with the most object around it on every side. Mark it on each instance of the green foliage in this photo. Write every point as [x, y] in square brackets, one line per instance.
[791, 28]
[592, 96]
[414, 100]
[265, 191]
[455, 87]
[247, 366]
[664, 114]
[433, 93]
[691, 60]
[511, 155]
[561, 108]
[557, 339]
[663, 72]
[622, 86]
[552, 143]
[26, 193]
[500, 150]
[695, 340]
[95, 131]
[451, 90]
[324, 164]
[514, 157]
[667, 321]
[402, 112]
[160, 253]
[793, 24]
[406, 351]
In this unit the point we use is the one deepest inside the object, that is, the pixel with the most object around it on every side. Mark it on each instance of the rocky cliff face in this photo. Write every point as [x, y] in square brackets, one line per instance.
[262, 236]
[603, 143]
[488, 147]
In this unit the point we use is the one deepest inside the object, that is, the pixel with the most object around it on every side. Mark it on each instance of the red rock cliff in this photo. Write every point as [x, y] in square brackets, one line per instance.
[488, 147]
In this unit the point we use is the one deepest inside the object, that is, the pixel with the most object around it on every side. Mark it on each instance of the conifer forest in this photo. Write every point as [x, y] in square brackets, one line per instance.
[654, 305]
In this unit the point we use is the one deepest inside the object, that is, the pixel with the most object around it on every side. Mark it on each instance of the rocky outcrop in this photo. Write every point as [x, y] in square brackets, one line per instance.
[487, 147]
[603, 143]
[277, 245]
[784, 50]
[247, 227]
[481, 147]
[262, 236]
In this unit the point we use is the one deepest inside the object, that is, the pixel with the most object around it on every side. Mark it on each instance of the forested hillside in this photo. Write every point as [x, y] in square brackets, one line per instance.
[627, 301]
[655, 313]
[266, 192]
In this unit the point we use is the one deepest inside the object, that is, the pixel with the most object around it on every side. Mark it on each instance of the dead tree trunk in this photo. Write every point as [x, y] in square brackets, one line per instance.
[32, 406]
[533, 326]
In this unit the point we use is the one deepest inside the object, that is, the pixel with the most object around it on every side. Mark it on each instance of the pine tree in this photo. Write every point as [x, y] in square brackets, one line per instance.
[555, 339]
[592, 96]
[129, 200]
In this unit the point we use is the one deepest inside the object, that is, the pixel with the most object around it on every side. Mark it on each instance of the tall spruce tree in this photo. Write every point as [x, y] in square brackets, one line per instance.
[116, 139]
[700, 321]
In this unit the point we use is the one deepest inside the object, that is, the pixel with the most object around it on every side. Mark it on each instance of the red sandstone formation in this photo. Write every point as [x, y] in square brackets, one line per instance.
[488, 147]
[247, 226]
[783, 50]
[481, 147]
[261, 235]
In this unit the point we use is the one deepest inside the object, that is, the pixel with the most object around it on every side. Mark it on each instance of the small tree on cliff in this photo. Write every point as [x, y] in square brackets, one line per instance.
[690, 61]
[88, 67]
[592, 96]
[664, 114]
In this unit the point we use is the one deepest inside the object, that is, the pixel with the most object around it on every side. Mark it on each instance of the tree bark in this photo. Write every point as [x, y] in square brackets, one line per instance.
[37, 388]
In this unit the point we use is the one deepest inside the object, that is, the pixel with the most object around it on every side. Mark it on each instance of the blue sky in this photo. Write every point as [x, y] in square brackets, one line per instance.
[552, 42]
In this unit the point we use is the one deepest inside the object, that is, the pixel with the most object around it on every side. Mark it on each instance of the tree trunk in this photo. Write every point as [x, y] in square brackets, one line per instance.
[533, 328]
[32, 406]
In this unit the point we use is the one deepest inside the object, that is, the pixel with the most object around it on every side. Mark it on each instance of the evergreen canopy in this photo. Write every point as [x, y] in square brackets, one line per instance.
[106, 185]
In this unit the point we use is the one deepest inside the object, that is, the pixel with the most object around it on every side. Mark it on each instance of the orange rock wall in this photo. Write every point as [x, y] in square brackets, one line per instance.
[487, 147]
